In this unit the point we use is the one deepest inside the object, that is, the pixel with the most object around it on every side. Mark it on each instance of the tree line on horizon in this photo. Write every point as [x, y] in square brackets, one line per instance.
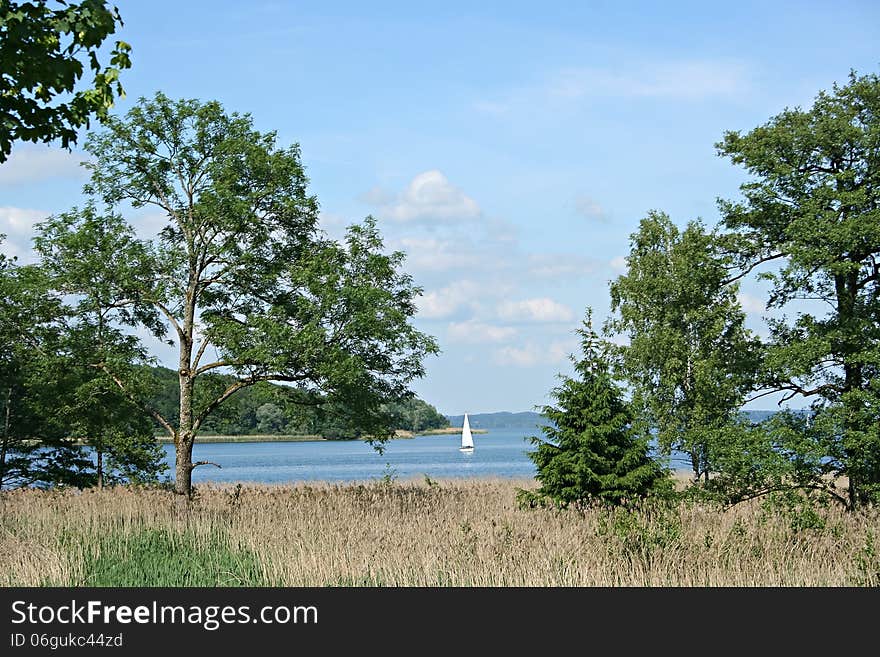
[272, 409]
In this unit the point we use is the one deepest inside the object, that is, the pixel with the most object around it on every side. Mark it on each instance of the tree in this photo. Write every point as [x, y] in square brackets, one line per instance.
[35, 447]
[244, 281]
[689, 358]
[785, 458]
[89, 261]
[270, 418]
[416, 415]
[812, 211]
[41, 49]
[591, 450]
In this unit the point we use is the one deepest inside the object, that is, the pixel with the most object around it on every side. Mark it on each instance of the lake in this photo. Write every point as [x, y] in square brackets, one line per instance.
[499, 453]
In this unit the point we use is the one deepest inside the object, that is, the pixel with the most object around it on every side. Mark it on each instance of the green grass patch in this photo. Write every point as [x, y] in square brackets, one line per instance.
[161, 557]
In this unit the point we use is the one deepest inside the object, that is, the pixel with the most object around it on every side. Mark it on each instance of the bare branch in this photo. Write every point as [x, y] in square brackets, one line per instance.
[235, 387]
[751, 267]
[169, 315]
[212, 366]
[201, 352]
[137, 402]
[198, 463]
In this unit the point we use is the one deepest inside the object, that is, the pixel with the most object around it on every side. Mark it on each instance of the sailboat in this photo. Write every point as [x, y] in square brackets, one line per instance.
[467, 440]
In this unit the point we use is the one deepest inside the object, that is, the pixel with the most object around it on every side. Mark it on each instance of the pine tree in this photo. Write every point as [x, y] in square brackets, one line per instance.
[590, 451]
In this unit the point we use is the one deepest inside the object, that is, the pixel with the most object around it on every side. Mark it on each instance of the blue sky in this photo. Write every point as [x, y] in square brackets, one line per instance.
[510, 149]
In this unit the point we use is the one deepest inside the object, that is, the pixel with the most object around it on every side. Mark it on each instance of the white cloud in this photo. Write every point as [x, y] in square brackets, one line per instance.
[20, 221]
[473, 331]
[532, 354]
[535, 310]
[684, 80]
[618, 264]
[589, 208]
[681, 80]
[37, 163]
[447, 301]
[433, 254]
[751, 303]
[430, 196]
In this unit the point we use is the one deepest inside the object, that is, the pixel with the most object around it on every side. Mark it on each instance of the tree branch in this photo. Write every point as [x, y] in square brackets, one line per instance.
[137, 402]
[235, 387]
[752, 266]
[212, 366]
[198, 463]
[169, 315]
[201, 352]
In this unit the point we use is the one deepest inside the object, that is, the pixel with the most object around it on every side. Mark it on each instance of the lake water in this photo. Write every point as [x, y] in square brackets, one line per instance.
[499, 453]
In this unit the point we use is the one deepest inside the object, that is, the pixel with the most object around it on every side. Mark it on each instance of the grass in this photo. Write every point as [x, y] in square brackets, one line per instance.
[417, 533]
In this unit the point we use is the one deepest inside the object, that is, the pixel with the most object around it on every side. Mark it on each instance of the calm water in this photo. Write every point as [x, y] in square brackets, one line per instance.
[499, 453]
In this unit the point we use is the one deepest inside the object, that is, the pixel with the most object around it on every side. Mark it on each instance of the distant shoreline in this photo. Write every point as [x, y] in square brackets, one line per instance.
[299, 438]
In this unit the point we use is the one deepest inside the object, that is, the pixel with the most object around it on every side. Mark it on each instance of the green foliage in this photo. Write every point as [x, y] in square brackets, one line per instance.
[812, 209]
[867, 563]
[414, 414]
[90, 261]
[240, 278]
[36, 448]
[689, 358]
[784, 457]
[286, 410]
[41, 55]
[55, 404]
[591, 451]
[641, 530]
[161, 557]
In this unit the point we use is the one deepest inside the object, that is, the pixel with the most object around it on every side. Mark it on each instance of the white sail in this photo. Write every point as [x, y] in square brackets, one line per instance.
[467, 440]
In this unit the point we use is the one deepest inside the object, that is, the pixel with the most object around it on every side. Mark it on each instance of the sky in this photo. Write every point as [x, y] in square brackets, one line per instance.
[509, 149]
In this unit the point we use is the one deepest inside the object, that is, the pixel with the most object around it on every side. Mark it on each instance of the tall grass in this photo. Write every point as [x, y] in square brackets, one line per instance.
[418, 533]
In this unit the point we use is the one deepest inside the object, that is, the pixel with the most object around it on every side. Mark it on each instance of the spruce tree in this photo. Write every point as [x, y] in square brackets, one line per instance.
[590, 451]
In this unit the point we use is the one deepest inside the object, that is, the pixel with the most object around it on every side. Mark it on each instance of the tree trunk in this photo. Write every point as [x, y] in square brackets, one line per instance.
[185, 436]
[183, 477]
[184, 445]
[5, 442]
[100, 452]
[846, 288]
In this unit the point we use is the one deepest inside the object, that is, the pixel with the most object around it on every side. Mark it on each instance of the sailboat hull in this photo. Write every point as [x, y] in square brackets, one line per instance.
[466, 449]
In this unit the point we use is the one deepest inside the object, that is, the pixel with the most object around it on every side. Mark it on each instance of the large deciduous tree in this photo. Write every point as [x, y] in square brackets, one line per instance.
[43, 53]
[811, 214]
[689, 358]
[244, 281]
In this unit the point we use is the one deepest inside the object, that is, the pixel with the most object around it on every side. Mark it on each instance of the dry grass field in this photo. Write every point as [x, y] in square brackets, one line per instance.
[417, 533]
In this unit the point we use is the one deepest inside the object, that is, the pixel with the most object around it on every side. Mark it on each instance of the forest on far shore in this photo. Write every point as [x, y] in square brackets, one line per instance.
[272, 409]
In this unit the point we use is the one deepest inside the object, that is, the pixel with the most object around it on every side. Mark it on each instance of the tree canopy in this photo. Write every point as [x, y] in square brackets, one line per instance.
[42, 55]
[688, 358]
[240, 278]
[810, 217]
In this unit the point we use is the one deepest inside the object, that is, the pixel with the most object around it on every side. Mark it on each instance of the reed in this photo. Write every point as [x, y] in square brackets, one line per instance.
[418, 533]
